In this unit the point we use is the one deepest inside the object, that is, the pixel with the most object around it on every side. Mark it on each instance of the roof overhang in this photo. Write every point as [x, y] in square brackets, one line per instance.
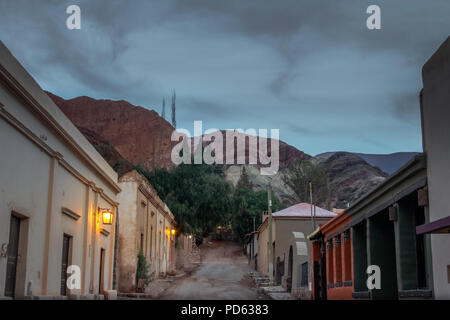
[438, 226]
[315, 235]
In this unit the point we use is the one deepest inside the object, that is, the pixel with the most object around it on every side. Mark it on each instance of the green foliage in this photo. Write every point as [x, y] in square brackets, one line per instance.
[201, 199]
[198, 196]
[142, 269]
[300, 173]
[248, 206]
[244, 180]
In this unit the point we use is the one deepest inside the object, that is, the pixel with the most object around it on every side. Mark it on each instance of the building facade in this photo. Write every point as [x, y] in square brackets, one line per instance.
[379, 231]
[402, 226]
[332, 260]
[291, 250]
[251, 249]
[56, 191]
[146, 225]
[435, 111]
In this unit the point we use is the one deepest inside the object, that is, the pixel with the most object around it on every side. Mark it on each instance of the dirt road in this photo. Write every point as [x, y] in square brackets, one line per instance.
[221, 276]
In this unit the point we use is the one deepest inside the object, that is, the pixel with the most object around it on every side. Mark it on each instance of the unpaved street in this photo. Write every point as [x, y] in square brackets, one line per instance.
[221, 276]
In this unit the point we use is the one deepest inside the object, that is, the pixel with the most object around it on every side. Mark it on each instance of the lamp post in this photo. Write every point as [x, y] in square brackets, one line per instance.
[269, 200]
[310, 199]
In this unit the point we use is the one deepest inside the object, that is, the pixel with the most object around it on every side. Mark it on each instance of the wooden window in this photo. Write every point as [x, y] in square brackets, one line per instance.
[337, 259]
[347, 259]
[65, 263]
[448, 273]
[304, 282]
[151, 241]
[330, 259]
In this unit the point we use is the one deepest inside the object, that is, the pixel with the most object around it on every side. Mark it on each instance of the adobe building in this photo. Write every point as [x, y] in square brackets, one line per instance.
[382, 229]
[435, 111]
[332, 259]
[291, 252]
[402, 225]
[252, 249]
[145, 224]
[57, 201]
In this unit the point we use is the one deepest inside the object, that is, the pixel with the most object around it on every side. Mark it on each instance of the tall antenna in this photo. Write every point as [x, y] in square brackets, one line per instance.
[174, 120]
[163, 112]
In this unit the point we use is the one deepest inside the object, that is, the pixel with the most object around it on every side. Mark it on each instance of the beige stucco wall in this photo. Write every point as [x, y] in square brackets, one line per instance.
[436, 138]
[143, 215]
[263, 241]
[127, 236]
[46, 165]
[285, 239]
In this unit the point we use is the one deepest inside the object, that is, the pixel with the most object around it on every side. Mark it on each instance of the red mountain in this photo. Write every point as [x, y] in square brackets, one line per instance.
[140, 135]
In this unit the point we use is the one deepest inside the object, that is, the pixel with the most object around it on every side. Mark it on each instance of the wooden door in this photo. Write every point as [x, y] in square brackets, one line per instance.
[65, 264]
[102, 271]
[13, 254]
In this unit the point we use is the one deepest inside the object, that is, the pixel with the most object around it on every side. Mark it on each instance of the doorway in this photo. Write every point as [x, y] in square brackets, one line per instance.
[12, 256]
[65, 264]
[279, 271]
[290, 267]
[102, 271]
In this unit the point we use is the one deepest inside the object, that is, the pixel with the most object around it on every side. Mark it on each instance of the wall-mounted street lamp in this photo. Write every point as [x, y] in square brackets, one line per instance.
[107, 215]
[172, 231]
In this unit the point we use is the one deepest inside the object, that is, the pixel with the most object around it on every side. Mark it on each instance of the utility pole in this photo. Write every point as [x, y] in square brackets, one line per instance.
[270, 255]
[311, 201]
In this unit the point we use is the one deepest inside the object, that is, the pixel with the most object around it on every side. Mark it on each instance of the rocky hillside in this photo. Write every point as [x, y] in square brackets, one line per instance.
[140, 135]
[389, 163]
[350, 177]
[128, 135]
[109, 153]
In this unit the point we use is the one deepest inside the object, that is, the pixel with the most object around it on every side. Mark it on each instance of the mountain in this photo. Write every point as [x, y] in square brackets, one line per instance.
[109, 153]
[350, 177]
[140, 135]
[127, 135]
[389, 163]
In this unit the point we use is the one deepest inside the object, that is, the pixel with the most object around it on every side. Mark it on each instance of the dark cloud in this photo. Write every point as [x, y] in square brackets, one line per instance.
[308, 67]
[407, 107]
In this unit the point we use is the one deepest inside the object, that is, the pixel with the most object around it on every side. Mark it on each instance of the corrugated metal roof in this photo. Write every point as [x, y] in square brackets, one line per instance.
[303, 209]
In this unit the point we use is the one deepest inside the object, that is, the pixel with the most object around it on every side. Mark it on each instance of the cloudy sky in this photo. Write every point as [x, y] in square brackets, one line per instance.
[310, 68]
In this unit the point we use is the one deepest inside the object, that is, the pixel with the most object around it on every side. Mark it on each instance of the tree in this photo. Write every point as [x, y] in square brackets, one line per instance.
[298, 176]
[244, 180]
[248, 208]
[142, 270]
[198, 195]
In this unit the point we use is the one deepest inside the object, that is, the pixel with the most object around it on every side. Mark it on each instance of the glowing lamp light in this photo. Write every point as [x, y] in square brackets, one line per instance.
[107, 217]
[190, 236]
[172, 231]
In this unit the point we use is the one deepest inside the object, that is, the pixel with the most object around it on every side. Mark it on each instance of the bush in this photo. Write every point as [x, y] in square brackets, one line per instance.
[142, 270]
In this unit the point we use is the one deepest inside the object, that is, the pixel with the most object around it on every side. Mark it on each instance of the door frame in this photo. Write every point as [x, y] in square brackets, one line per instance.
[11, 286]
[68, 262]
[101, 275]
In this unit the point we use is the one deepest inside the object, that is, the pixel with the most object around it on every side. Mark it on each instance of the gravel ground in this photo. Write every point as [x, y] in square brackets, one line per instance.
[222, 275]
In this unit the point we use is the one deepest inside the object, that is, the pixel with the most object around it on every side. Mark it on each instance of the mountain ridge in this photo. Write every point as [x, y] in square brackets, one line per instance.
[128, 136]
